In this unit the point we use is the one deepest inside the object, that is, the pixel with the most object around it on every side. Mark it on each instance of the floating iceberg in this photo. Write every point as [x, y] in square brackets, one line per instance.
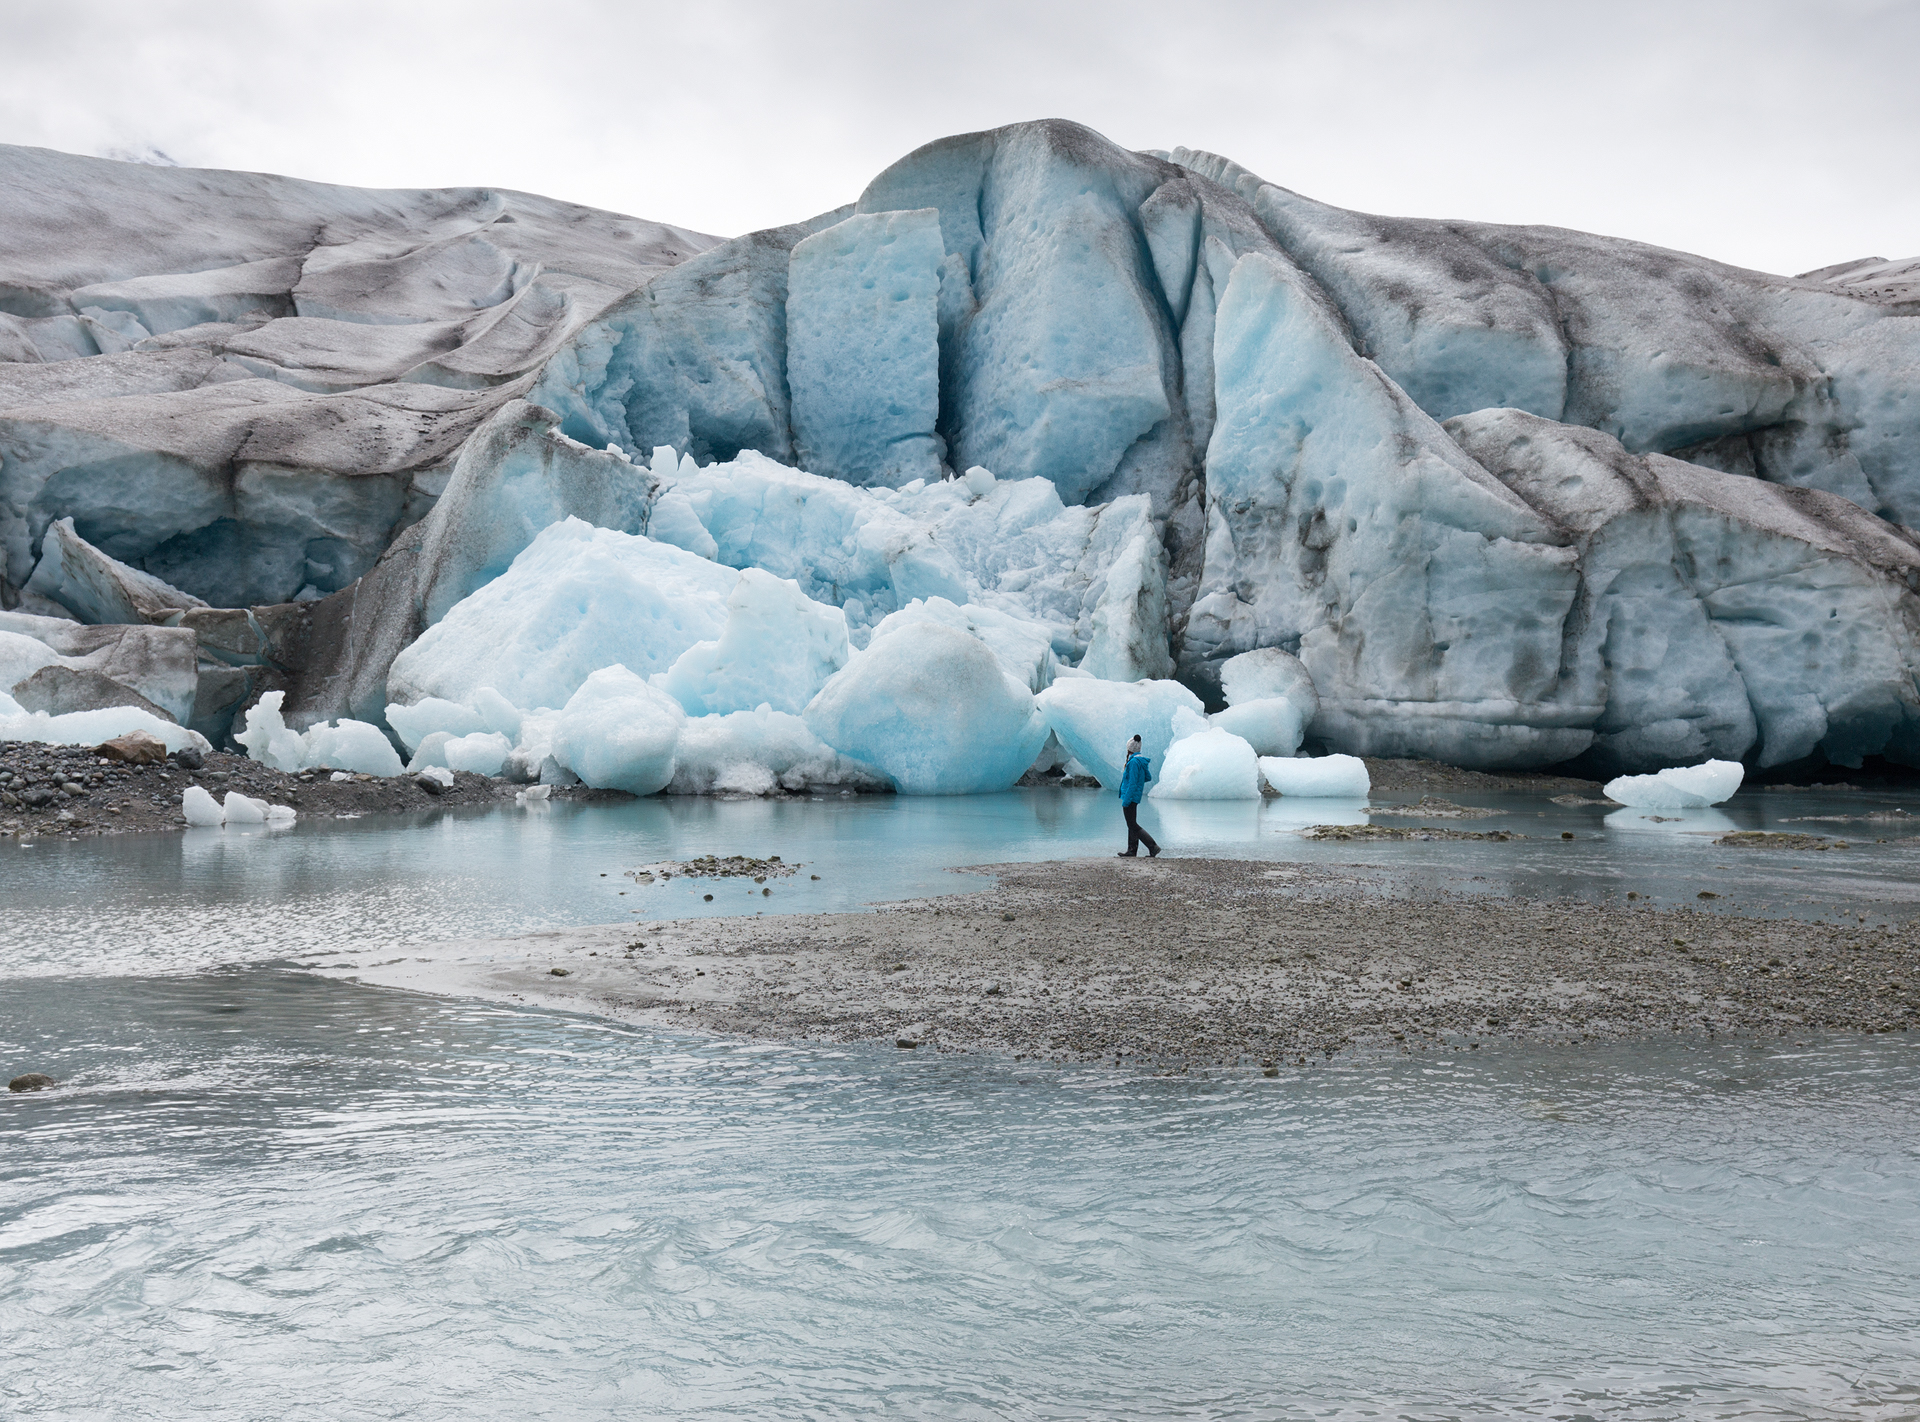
[1272, 725]
[1690, 787]
[1329, 776]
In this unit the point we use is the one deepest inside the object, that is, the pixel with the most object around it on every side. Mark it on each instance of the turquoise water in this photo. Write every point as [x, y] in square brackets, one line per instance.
[262, 1191]
[180, 902]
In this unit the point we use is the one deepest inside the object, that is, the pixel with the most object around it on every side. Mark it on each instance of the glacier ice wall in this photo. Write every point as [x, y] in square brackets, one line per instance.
[1146, 408]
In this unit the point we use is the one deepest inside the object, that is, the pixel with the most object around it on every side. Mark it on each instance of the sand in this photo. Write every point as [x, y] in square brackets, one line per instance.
[1184, 963]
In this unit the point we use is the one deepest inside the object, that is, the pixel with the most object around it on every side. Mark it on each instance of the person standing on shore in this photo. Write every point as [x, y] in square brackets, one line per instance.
[1134, 776]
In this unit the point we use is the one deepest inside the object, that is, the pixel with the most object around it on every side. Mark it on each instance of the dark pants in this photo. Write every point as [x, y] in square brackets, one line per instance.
[1135, 835]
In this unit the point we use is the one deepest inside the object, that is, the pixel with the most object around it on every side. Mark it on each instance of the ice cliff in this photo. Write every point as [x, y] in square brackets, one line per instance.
[1033, 412]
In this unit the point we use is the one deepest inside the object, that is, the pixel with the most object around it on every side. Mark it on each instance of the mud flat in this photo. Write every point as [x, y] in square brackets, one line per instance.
[1197, 962]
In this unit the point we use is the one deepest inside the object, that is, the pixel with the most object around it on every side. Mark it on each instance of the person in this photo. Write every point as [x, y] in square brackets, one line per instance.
[1133, 784]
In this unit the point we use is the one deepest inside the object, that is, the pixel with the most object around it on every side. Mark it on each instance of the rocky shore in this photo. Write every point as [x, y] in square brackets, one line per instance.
[72, 792]
[1194, 963]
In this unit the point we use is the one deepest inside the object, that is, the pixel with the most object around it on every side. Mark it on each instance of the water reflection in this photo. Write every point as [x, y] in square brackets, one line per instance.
[177, 902]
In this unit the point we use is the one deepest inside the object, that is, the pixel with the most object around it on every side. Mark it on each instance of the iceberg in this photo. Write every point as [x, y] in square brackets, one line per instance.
[483, 752]
[618, 733]
[576, 600]
[1210, 764]
[200, 808]
[1272, 725]
[347, 745]
[1321, 776]
[934, 710]
[1095, 719]
[778, 648]
[90, 728]
[760, 752]
[1692, 787]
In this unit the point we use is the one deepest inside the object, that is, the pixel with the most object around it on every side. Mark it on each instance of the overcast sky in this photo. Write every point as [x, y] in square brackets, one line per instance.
[1775, 136]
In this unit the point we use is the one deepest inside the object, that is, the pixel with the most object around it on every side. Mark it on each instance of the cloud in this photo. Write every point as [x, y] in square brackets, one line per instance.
[1763, 134]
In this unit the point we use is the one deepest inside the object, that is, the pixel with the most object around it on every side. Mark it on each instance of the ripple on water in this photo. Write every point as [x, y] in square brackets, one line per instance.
[258, 1189]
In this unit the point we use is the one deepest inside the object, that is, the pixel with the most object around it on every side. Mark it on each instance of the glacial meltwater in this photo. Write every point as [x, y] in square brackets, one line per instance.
[264, 1189]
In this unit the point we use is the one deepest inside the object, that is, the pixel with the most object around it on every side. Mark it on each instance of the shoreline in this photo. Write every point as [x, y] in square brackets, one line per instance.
[1185, 963]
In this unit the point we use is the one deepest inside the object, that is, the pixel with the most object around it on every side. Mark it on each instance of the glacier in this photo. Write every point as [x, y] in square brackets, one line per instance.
[1035, 444]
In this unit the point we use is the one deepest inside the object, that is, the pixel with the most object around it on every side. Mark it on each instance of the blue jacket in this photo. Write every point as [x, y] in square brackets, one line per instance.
[1133, 780]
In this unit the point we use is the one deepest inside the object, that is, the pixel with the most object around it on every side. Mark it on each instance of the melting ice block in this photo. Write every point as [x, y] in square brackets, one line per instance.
[1339, 776]
[618, 733]
[756, 752]
[345, 745]
[482, 752]
[1690, 787]
[778, 648]
[201, 809]
[1273, 725]
[90, 728]
[1209, 765]
[1267, 672]
[1094, 719]
[935, 711]
[1025, 648]
[576, 600]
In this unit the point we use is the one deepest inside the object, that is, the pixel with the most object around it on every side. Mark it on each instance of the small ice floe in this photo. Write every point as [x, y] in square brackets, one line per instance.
[204, 812]
[532, 795]
[1339, 776]
[1691, 787]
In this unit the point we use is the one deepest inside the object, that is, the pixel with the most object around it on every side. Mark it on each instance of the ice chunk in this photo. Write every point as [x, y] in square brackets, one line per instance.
[267, 738]
[1094, 719]
[515, 476]
[1690, 787]
[348, 745]
[1272, 725]
[431, 752]
[1265, 673]
[201, 809]
[159, 666]
[755, 752]
[1210, 764]
[778, 648]
[1333, 776]
[579, 599]
[96, 588]
[863, 348]
[244, 809]
[21, 657]
[618, 733]
[90, 728]
[483, 752]
[672, 520]
[413, 724]
[935, 711]
[439, 775]
[1024, 648]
